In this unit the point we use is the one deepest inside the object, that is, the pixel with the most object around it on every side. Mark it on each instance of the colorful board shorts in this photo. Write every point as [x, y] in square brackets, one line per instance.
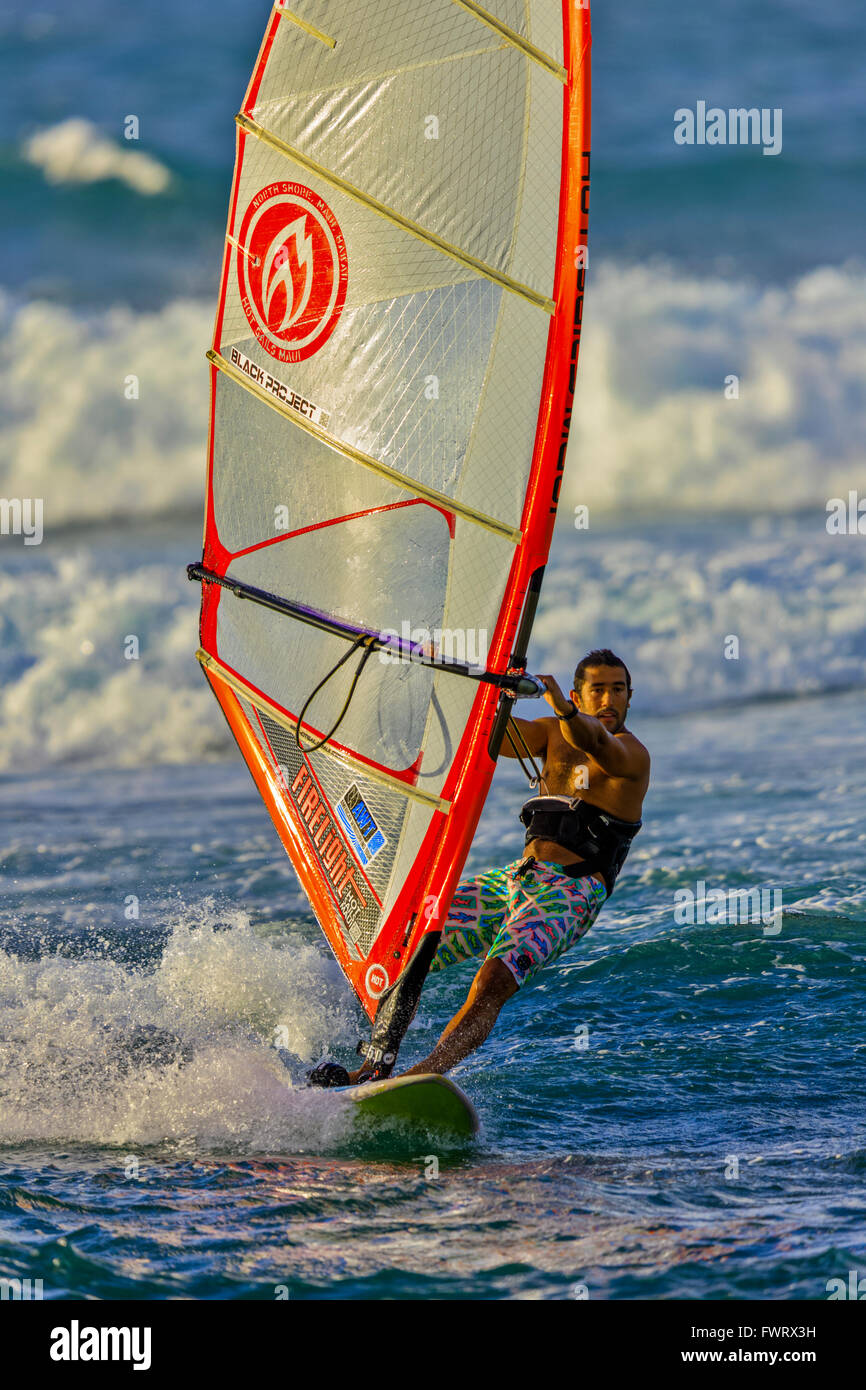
[525, 922]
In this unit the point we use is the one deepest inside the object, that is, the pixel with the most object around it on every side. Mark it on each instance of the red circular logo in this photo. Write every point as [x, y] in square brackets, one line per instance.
[376, 980]
[293, 270]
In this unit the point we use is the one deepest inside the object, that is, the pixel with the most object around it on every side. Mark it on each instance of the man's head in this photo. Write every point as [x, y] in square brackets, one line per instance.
[602, 688]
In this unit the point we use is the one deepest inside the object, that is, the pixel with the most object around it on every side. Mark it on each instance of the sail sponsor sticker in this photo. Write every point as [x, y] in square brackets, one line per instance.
[331, 851]
[360, 825]
[376, 981]
[262, 377]
[293, 270]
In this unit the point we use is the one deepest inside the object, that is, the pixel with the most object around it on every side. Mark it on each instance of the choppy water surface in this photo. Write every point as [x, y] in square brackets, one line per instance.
[676, 1109]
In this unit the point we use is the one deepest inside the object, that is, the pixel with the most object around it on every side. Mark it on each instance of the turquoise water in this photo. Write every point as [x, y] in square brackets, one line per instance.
[675, 1109]
[183, 69]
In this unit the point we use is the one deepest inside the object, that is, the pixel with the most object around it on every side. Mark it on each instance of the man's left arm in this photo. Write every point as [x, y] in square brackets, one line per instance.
[617, 757]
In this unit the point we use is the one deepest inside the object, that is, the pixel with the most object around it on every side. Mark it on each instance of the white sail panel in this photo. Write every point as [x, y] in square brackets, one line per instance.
[440, 134]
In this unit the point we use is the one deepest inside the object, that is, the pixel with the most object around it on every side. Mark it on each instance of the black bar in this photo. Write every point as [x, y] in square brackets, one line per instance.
[517, 662]
[209, 1339]
[533, 594]
[398, 1005]
[519, 684]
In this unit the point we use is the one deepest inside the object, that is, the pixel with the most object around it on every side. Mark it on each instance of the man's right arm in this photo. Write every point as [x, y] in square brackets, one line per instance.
[534, 732]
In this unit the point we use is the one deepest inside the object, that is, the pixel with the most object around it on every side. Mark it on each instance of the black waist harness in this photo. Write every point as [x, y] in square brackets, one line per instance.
[601, 840]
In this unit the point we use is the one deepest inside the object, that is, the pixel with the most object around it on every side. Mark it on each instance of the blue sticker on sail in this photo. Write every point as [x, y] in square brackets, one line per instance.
[360, 825]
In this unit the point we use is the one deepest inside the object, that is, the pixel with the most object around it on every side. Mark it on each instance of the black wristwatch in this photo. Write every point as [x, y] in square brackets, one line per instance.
[572, 712]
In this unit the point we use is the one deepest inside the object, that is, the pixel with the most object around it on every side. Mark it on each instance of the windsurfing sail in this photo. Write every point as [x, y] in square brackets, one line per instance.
[392, 374]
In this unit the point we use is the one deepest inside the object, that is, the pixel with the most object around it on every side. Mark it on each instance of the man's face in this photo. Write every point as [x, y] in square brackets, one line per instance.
[604, 694]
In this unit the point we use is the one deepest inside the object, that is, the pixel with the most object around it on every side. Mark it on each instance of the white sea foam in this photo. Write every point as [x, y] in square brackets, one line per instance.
[68, 1071]
[74, 695]
[652, 433]
[672, 598]
[76, 151]
[656, 352]
[653, 430]
[790, 593]
[69, 431]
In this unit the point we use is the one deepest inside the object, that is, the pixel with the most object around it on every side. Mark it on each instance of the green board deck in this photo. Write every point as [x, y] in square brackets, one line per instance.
[430, 1101]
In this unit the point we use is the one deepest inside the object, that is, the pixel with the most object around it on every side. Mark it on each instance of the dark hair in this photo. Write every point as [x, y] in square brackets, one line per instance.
[602, 657]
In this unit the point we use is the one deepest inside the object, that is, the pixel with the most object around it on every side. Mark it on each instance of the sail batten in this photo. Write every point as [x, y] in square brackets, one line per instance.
[391, 215]
[536, 54]
[283, 12]
[412, 485]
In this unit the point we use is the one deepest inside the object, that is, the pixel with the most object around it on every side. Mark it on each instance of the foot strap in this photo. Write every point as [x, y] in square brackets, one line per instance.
[328, 1074]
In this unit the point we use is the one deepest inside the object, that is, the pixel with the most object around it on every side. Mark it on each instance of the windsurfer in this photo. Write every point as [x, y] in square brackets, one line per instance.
[594, 777]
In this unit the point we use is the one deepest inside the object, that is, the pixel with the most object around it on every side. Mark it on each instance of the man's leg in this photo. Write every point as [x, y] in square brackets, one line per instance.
[477, 912]
[547, 913]
[469, 1027]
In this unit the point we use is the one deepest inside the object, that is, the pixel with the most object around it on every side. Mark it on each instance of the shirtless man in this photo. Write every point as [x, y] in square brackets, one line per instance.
[595, 775]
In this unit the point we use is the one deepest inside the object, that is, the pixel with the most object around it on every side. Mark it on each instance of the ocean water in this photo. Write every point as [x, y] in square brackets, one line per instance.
[676, 1109]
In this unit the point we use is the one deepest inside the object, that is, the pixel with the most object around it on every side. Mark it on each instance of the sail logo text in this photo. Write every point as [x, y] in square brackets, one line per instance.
[278, 388]
[323, 832]
[360, 825]
[376, 981]
[293, 270]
